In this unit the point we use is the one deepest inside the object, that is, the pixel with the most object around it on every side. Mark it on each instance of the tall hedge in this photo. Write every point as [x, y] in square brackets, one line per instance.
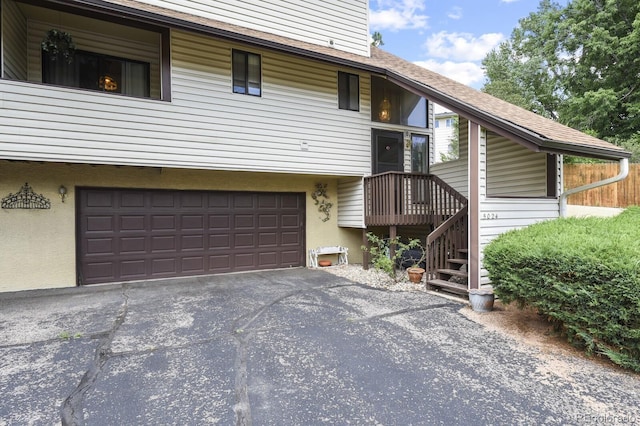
[583, 273]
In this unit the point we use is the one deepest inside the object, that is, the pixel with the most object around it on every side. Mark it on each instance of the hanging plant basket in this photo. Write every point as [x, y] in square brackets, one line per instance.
[59, 45]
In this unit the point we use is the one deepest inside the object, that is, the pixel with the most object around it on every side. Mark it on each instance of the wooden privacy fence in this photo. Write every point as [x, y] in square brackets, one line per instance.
[621, 194]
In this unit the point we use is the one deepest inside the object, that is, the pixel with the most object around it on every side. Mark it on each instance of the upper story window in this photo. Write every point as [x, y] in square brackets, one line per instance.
[246, 73]
[437, 124]
[449, 122]
[348, 91]
[392, 104]
[95, 71]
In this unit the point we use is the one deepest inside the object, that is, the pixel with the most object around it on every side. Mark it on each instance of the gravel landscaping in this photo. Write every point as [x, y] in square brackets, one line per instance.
[375, 278]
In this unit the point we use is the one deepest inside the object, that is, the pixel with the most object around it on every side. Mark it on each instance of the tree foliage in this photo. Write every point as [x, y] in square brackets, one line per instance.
[578, 64]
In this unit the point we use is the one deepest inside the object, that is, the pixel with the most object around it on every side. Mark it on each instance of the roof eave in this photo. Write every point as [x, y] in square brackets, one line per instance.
[560, 147]
[522, 135]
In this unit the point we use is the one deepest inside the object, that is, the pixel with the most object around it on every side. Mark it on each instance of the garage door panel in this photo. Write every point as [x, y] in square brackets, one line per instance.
[268, 260]
[220, 222]
[99, 223]
[132, 223]
[290, 221]
[100, 270]
[99, 199]
[161, 199]
[132, 199]
[140, 234]
[163, 222]
[133, 245]
[100, 246]
[291, 201]
[244, 261]
[267, 239]
[268, 201]
[244, 201]
[220, 241]
[289, 257]
[192, 222]
[290, 239]
[220, 263]
[221, 200]
[193, 264]
[244, 221]
[267, 221]
[133, 269]
[163, 266]
[241, 241]
[163, 243]
[192, 242]
[192, 199]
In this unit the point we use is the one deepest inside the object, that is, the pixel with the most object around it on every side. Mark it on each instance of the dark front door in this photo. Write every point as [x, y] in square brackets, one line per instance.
[128, 234]
[387, 149]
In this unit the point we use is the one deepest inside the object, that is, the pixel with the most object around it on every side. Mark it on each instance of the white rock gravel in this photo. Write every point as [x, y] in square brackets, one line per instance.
[376, 278]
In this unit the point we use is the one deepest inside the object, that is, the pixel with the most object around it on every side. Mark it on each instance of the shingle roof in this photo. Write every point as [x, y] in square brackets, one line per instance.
[528, 127]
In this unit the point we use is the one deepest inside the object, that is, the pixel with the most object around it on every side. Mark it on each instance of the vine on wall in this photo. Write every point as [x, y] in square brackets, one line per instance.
[320, 199]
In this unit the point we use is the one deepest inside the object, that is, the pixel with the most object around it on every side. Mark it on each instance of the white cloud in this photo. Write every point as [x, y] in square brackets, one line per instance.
[461, 46]
[455, 13]
[468, 73]
[397, 15]
[509, 1]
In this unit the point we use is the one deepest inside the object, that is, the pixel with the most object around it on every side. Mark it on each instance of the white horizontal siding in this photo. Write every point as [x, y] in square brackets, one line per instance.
[351, 203]
[344, 22]
[14, 45]
[513, 170]
[499, 215]
[295, 127]
[455, 172]
[99, 37]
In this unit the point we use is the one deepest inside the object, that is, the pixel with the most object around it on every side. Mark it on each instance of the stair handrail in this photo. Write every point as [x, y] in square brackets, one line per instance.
[444, 226]
[436, 255]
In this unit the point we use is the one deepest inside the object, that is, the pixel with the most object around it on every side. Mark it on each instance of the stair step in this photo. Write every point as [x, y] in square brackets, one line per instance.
[458, 261]
[448, 286]
[453, 272]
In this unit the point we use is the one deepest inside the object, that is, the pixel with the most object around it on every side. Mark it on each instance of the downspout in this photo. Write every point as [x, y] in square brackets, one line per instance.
[624, 171]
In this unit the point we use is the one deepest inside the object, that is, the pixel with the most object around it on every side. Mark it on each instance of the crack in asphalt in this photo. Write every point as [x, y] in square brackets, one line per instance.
[243, 334]
[71, 410]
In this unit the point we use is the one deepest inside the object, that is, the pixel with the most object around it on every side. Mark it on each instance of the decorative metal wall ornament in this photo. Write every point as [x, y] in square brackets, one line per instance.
[324, 206]
[26, 199]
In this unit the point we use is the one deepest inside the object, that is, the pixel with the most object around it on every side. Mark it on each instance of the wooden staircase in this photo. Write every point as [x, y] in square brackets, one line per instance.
[455, 278]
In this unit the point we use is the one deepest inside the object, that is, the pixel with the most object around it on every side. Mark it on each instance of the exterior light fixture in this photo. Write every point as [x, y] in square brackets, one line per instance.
[384, 113]
[63, 192]
[107, 83]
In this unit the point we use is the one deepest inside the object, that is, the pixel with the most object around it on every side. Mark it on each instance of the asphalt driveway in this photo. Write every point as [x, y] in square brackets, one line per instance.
[294, 347]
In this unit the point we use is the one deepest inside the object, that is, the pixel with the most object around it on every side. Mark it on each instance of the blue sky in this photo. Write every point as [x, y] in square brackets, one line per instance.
[448, 37]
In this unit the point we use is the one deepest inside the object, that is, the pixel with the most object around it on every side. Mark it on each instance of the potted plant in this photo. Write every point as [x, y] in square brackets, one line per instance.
[411, 255]
[414, 254]
[59, 45]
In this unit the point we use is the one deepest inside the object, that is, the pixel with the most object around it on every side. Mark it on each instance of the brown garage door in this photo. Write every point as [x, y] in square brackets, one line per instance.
[129, 234]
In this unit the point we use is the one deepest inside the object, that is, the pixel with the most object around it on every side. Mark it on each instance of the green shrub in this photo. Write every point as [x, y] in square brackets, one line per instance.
[583, 274]
[379, 250]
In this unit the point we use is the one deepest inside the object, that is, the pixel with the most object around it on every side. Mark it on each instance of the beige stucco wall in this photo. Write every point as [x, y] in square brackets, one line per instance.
[38, 247]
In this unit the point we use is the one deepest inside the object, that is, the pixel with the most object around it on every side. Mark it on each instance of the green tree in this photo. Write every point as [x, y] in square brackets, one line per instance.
[376, 39]
[579, 64]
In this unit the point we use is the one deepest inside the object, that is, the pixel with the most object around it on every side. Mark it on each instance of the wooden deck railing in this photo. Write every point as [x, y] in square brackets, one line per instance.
[396, 198]
[445, 241]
